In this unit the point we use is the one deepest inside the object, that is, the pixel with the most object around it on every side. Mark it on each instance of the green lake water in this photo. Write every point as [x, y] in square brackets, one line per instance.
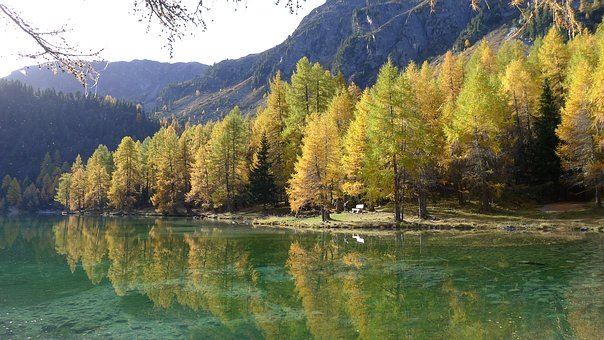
[143, 278]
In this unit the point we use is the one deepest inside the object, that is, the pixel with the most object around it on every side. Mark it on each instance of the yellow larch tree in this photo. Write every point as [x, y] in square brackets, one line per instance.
[317, 174]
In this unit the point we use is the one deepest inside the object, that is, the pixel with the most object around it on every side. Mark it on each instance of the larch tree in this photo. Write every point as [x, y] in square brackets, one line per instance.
[125, 187]
[317, 172]
[478, 123]
[428, 141]
[203, 178]
[451, 79]
[341, 109]
[228, 147]
[580, 132]
[98, 178]
[13, 194]
[390, 120]
[63, 190]
[522, 93]
[310, 91]
[271, 122]
[169, 191]
[553, 56]
[355, 148]
[78, 185]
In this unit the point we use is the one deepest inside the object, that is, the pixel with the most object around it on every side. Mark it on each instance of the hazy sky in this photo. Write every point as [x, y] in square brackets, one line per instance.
[233, 30]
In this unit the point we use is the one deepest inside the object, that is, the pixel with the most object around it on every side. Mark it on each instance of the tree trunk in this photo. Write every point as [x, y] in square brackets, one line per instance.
[485, 200]
[325, 215]
[460, 198]
[398, 216]
[422, 203]
[598, 196]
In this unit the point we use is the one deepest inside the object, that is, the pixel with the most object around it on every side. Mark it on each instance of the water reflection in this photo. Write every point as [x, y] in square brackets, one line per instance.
[268, 284]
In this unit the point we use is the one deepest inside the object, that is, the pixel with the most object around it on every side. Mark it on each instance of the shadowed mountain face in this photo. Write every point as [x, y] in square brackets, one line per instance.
[352, 36]
[137, 81]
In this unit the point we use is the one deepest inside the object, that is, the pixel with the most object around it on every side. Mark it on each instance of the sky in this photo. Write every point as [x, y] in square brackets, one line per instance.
[233, 30]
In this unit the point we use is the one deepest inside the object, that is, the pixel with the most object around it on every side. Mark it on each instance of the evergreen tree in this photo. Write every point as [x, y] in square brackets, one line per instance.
[262, 182]
[13, 194]
[545, 163]
[31, 197]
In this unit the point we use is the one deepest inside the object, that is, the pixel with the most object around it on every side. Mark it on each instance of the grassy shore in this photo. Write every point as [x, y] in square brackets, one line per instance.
[560, 217]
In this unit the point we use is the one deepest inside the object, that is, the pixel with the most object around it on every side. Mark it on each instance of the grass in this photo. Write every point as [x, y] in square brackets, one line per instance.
[447, 215]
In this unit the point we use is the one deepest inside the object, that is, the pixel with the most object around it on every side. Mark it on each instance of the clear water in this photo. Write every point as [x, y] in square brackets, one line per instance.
[140, 278]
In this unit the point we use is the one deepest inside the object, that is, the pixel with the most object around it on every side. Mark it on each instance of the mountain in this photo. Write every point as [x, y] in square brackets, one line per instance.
[137, 81]
[33, 122]
[352, 36]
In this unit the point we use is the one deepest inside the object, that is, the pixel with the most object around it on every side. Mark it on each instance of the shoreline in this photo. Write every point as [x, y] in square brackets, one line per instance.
[581, 218]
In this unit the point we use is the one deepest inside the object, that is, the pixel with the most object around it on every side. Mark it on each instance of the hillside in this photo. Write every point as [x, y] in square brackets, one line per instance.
[352, 36]
[137, 81]
[35, 122]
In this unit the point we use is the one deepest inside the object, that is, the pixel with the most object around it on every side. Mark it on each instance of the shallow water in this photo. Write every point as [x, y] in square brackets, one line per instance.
[125, 278]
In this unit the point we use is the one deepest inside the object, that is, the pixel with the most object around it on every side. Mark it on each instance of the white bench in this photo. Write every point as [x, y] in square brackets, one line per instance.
[358, 209]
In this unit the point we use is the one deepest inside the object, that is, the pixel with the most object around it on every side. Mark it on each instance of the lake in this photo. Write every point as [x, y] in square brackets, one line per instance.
[133, 277]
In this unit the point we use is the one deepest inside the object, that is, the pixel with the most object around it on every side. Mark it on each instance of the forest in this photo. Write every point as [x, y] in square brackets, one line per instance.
[487, 125]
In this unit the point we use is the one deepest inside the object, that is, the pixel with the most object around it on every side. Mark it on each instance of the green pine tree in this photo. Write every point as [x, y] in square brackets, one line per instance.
[546, 167]
[262, 181]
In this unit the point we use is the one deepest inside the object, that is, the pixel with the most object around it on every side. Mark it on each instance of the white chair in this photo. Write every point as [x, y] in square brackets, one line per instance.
[358, 209]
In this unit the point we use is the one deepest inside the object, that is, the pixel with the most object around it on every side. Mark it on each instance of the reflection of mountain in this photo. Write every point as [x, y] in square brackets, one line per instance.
[239, 284]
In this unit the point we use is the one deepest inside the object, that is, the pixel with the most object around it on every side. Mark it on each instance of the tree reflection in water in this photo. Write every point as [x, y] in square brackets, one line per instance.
[302, 285]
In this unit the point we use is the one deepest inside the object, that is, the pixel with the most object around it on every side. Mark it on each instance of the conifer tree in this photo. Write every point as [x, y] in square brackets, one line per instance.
[477, 124]
[521, 92]
[271, 122]
[451, 81]
[553, 58]
[428, 141]
[317, 172]
[262, 182]
[98, 178]
[13, 194]
[545, 163]
[31, 197]
[228, 147]
[355, 150]
[169, 191]
[78, 185]
[63, 190]
[581, 150]
[203, 178]
[310, 91]
[125, 185]
[391, 117]
[341, 109]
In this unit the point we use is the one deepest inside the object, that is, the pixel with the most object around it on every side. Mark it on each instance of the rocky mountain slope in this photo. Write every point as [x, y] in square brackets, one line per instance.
[137, 81]
[352, 36]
